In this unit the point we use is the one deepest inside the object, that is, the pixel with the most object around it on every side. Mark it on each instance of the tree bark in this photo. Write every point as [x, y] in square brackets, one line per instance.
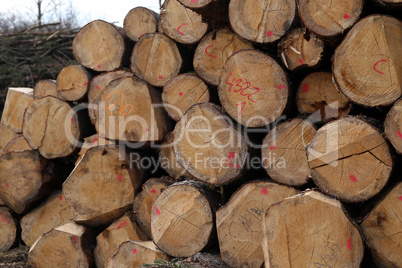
[329, 19]
[52, 127]
[65, 246]
[297, 51]
[382, 229]
[284, 156]
[120, 231]
[393, 126]
[135, 254]
[180, 23]
[52, 213]
[213, 51]
[24, 178]
[239, 222]
[149, 52]
[253, 88]
[73, 83]
[214, 11]
[208, 146]
[17, 100]
[140, 21]
[182, 92]
[318, 97]
[261, 21]
[143, 201]
[185, 229]
[368, 72]
[103, 168]
[8, 229]
[349, 159]
[45, 88]
[310, 230]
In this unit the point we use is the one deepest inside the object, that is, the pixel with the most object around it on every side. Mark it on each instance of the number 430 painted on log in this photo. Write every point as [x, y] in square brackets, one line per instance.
[240, 89]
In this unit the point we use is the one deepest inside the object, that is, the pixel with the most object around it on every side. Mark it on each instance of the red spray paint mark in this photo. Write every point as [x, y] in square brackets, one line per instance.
[99, 66]
[346, 16]
[232, 155]
[206, 51]
[119, 177]
[273, 147]
[301, 61]
[2, 218]
[86, 83]
[269, 33]
[400, 198]
[8, 186]
[281, 87]
[134, 251]
[97, 87]
[121, 225]
[153, 191]
[95, 140]
[181, 94]
[178, 29]
[375, 66]
[147, 130]
[350, 243]
[399, 134]
[353, 178]
[194, 1]
[61, 197]
[160, 77]
[305, 88]
[73, 119]
[75, 239]
[157, 211]
[264, 191]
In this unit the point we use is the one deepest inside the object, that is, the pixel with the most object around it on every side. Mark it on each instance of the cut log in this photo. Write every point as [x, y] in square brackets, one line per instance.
[299, 51]
[129, 109]
[284, 155]
[180, 23]
[65, 246]
[108, 242]
[51, 127]
[100, 46]
[24, 178]
[208, 146]
[214, 11]
[261, 21]
[6, 136]
[98, 84]
[140, 21]
[8, 229]
[393, 126]
[329, 18]
[310, 230]
[213, 51]
[52, 213]
[90, 142]
[349, 159]
[103, 168]
[318, 97]
[253, 88]
[169, 161]
[182, 218]
[365, 69]
[17, 144]
[144, 201]
[382, 229]
[156, 59]
[45, 88]
[73, 83]
[239, 222]
[17, 100]
[182, 92]
[135, 254]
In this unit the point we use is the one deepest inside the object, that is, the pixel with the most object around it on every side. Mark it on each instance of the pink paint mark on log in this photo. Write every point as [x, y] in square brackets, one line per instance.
[73, 119]
[264, 191]
[153, 191]
[232, 155]
[160, 77]
[2, 218]
[269, 33]
[353, 178]
[346, 16]
[273, 147]
[206, 51]
[122, 225]
[99, 66]
[181, 94]
[75, 239]
[147, 130]
[61, 197]
[300, 61]
[281, 87]
[399, 134]
[86, 83]
[157, 211]
[305, 88]
[194, 1]
[97, 87]
[178, 29]
[95, 140]
[119, 177]
[375, 66]
[400, 198]
[134, 251]
[8, 186]
[350, 243]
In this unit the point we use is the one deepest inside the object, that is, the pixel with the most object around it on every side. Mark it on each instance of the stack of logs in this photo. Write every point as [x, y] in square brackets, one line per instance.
[273, 127]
